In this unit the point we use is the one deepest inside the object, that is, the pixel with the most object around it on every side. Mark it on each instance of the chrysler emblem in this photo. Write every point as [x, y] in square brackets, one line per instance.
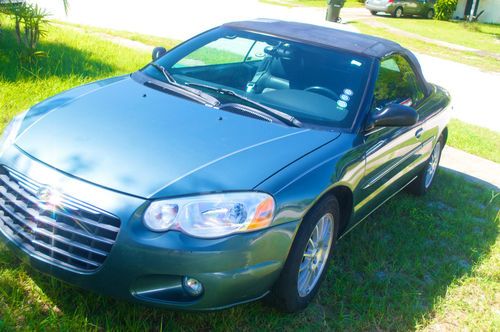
[47, 195]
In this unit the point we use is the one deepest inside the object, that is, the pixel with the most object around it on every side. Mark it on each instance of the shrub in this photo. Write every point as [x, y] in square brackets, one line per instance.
[443, 9]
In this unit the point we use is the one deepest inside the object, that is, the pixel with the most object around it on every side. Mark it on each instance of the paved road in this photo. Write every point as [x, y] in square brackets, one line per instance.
[174, 19]
[475, 93]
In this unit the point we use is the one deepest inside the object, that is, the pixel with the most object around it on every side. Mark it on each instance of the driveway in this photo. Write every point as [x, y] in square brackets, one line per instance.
[472, 90]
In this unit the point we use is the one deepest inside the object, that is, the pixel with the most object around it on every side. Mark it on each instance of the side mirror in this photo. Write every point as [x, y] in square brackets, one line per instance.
[394, 115]
[158, 52]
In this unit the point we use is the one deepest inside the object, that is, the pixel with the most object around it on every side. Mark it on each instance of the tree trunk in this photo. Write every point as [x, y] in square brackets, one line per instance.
[18, 30]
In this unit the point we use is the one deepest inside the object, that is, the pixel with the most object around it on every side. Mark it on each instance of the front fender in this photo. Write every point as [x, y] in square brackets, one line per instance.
[300, 185]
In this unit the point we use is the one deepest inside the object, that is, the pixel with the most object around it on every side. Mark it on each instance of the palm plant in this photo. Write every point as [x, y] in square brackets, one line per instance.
[29, 26]
[66, 5]
[29, 23]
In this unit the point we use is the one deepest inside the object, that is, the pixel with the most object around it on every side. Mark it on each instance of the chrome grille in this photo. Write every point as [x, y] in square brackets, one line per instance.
[72, 234]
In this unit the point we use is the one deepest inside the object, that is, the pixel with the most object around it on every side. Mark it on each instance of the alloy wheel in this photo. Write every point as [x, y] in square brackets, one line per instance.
[433, 165]
[315, 255]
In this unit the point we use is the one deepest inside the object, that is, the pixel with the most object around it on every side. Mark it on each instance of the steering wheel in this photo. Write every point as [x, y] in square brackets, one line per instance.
[321, 90]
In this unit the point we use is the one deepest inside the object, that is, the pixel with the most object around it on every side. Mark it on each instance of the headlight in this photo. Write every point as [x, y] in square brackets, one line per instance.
[210, 216]
[10, 132]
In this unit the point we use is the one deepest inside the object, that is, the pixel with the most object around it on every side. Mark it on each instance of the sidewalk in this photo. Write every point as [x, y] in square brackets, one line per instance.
[360, 14]
[473, 168]
[376, 23]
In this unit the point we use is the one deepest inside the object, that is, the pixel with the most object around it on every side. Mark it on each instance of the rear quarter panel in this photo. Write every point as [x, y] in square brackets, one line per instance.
[434, 115]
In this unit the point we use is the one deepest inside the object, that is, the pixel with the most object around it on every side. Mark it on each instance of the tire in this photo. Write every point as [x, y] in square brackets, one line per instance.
[421, 185]
[292, 292]
[373, 12]
[430, 14]
[398, 12]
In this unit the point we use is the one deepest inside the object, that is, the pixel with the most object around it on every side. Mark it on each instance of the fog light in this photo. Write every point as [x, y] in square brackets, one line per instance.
[192, 286]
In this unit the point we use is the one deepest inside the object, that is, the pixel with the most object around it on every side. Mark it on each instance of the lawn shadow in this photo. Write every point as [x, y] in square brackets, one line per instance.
[388, 273]
[61, 61]
[392, 271]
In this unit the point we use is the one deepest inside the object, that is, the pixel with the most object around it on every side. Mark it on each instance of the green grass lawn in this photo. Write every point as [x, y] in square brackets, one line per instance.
[311, 3]
[481, 36]
[474, 139]
[483, 61]
[417, 263]
[74, 59]
[139, 37]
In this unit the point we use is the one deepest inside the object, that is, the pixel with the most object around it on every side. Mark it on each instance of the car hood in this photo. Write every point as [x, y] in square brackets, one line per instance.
[124, 136]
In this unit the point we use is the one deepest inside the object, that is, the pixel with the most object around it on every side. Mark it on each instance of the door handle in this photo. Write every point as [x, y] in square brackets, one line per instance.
[418, 133]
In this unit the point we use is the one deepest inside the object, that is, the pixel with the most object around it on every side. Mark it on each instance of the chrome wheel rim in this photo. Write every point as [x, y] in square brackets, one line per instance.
[399, 12]
[433, 165]
[315, 255]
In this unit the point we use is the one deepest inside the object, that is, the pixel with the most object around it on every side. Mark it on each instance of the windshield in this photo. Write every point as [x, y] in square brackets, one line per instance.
[315, 85]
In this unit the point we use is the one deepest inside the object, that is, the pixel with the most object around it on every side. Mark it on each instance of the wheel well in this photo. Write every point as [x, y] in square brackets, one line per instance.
[344, 196]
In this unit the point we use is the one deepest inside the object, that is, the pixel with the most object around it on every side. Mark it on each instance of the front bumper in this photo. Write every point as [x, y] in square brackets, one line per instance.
[148, 267]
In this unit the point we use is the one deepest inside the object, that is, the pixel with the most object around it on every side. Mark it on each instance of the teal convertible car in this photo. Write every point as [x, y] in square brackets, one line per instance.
[225, 170]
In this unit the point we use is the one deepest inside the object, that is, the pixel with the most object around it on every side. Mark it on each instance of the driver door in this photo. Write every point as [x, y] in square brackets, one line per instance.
[391, 152]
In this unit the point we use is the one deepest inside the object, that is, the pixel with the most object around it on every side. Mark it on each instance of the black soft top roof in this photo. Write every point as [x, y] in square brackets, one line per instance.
[324, 36]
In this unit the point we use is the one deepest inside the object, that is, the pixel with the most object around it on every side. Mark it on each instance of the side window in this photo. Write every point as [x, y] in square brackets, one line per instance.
[218, 52]
[396, 83]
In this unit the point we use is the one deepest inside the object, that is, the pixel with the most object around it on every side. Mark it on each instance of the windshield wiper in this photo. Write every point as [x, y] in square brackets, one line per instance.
[165, 72]
[271, 111]
[198, 94]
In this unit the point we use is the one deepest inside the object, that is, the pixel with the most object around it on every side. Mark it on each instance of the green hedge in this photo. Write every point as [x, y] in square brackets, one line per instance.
[444, 9]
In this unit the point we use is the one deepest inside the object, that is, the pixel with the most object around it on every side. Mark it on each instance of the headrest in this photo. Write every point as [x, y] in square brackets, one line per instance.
[283, 51]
